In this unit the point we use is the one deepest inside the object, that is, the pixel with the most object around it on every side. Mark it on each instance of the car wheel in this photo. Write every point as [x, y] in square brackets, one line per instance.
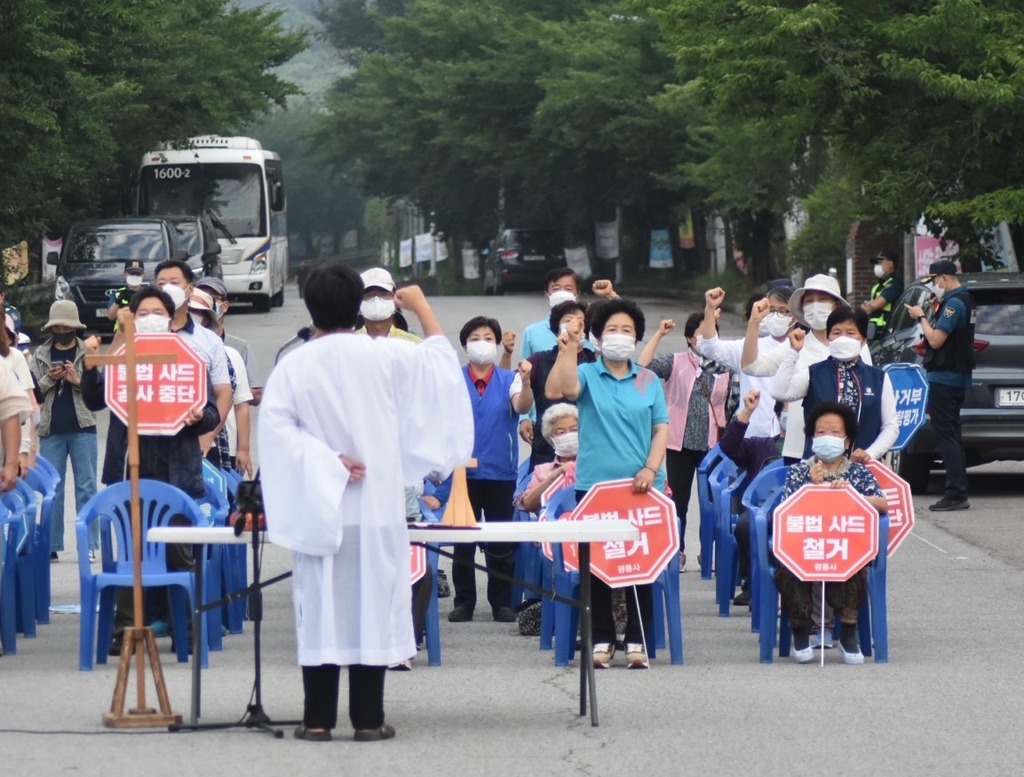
[262, 304]
[278, 299]
[915, 468]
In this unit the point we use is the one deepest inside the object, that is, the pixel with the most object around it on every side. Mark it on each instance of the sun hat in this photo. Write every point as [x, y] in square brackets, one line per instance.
[64, 312]
[823, 283]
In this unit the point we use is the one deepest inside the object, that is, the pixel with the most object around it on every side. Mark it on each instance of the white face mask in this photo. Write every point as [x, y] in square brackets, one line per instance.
[618, 348]
[595, 343]
[558, 297]
[481, 352]
[198, 319]
[377, 309]
[567, 444]
[762, 328]
[176, 293]
[879, 272]
[816, 314]
[778, 324]
[844, 348]
[828, 448]
[153, 324]
[133, 281]
[937, 290]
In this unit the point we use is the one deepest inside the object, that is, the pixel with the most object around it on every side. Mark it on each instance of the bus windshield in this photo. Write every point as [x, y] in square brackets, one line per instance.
[232, 192]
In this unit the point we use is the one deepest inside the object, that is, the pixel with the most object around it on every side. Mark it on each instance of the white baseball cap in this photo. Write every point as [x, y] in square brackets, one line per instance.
[378, 276]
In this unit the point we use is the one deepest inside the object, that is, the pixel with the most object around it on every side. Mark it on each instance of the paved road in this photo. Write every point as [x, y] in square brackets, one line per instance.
[946, 703]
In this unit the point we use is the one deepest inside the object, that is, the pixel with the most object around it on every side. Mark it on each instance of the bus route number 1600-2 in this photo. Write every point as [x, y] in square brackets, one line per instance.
[172, 172]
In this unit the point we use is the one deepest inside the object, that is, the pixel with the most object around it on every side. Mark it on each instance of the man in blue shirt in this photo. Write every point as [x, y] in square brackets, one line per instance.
[949, 360]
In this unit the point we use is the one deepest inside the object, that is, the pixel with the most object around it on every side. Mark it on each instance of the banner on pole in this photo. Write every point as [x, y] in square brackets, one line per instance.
[661, 249]
[405, 253]
[470, 264]
[687, 238]
[607, 241]
[424, 247]
[578, 260]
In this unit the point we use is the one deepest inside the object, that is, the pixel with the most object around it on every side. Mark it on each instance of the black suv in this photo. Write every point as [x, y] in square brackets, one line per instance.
[993, 412]
[520, 259]
[91, 261]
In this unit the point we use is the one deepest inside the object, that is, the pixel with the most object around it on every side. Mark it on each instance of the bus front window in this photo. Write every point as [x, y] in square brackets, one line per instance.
[233, 193]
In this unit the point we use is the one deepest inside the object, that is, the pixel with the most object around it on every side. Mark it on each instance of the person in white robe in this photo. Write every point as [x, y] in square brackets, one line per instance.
[345, 425]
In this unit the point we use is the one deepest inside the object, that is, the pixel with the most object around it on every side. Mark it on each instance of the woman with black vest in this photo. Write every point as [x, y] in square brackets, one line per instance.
[843, 377]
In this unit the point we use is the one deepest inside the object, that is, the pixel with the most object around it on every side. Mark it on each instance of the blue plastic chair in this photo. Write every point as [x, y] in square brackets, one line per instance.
[8, 602]
[727, 562]
[725, 473]
[111, 507]
[40, 481]
[873, 617]
[668, 608]
[768, 482]
[239, 568]
[24, 502]
[527, 565]
[566, 583]
[432, 621]
[218, 574]
[707, 508]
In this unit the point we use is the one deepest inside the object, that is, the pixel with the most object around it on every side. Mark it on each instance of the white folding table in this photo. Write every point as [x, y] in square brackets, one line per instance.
[582, 532]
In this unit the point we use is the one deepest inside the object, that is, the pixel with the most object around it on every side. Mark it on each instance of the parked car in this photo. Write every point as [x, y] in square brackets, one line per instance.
[197, 236]
[520, 259]
[91, 261]
[993, 412]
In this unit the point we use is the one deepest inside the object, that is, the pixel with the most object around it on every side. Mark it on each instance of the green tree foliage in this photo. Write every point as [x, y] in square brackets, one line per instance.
[917, 102]
[86, 87]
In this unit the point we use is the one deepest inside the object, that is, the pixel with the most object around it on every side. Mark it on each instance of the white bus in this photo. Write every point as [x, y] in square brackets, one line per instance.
[239, 186]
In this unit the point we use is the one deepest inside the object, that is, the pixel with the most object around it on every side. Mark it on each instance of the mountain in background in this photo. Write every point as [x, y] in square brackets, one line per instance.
[315, 69]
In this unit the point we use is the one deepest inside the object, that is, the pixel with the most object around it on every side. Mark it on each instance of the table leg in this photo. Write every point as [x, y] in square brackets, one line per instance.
[199, 556]
[587, 678]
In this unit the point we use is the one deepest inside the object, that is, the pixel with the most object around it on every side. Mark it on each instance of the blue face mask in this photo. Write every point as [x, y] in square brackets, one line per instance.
[828, 448]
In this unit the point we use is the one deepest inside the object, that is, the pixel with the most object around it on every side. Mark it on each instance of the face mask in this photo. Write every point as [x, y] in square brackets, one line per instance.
[176, 293]
[778, 324]
[64, 338]
[783, 419]
[594, 342]
[828, 448]
[560, 296]
[567, 444]
[618, 348]
[133, 281]
[937, 290]
[762, 328]
[153, 324]
[198, 319]
[816, 314]
[879, 272]
[844, 348]
[377, 309]
[481, 352]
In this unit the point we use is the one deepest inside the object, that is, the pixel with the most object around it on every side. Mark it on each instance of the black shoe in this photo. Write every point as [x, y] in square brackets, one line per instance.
[115, 646]
[53, 555]
[946, 505]
[742, 599]
[460, 615]
[443, 589]
[301, 732]
[505, 615]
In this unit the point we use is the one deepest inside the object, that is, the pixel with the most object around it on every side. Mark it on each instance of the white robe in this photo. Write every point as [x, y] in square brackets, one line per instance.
[402, 410]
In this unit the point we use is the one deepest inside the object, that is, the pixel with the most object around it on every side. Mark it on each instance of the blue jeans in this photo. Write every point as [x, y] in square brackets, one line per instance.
[83, 450]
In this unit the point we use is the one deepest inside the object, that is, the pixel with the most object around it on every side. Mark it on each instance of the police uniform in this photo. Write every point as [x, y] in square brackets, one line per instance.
[949, 376]
[123, 296]
[889, 287]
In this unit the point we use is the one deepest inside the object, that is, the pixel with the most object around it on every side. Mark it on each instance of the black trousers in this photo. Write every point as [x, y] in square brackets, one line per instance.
[742, 533]
[681, 468]
[944, 404]
[420, 603]
[493, 499]
[365, 696]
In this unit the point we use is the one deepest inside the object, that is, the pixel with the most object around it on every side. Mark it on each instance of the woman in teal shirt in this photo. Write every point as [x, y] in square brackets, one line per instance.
[623, 431]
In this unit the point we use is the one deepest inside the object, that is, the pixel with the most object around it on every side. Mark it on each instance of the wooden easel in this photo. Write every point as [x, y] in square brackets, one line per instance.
[459, 511]
[139, 639]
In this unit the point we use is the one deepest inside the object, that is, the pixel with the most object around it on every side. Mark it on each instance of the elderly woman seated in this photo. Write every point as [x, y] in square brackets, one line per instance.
[833, 427]
[560, 427]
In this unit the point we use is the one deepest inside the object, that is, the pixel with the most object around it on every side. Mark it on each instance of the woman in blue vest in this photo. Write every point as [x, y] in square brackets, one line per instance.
[843, 377]
[498, 397]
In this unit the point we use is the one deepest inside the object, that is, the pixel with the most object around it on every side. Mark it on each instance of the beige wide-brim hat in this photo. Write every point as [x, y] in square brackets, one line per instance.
[823, 283]
[64, 312]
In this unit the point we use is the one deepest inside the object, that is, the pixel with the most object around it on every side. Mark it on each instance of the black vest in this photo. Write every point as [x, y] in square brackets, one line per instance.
[957, 353]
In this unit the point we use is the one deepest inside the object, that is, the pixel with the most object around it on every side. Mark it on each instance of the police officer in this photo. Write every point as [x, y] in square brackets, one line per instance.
[885, 293]
[133, 272]
[948, 360]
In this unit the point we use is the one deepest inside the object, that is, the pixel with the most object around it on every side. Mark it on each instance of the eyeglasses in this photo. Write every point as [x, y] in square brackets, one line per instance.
[377, 294]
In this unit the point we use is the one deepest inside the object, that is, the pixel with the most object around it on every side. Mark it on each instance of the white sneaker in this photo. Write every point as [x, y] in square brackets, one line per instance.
[604, 652]
[92, 556]
[803, 656]
[636, 656]
[855, 657]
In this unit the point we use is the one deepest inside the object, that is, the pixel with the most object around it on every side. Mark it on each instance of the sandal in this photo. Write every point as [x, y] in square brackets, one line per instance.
[310, 735]
[374, 734]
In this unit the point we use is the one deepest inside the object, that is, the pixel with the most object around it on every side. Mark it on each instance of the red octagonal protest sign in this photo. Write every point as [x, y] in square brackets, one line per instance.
[417, 560]
[901, 504]
[825, 533]
[621, 564]
[166, 392]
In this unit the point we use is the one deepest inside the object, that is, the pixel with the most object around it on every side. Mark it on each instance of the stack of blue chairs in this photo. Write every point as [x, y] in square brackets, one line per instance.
[236, 564]
[9, 530]
[23, 500]
[44, 483]
[432, 622]
[708, 512]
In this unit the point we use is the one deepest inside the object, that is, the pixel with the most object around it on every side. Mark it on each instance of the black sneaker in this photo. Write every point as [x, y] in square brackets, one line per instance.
[742, 599]
[505, 615]
[460, 615]
[946, 505]
[443, 589]
[53, 555]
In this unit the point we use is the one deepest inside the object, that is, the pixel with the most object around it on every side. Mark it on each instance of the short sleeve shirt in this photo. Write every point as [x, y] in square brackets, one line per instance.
[893, 291]
[210, 348]
[951, 315]
[617, 418]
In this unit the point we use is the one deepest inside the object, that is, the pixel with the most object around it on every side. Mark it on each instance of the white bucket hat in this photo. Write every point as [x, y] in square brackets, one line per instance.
[823, 283]
[64, 312]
